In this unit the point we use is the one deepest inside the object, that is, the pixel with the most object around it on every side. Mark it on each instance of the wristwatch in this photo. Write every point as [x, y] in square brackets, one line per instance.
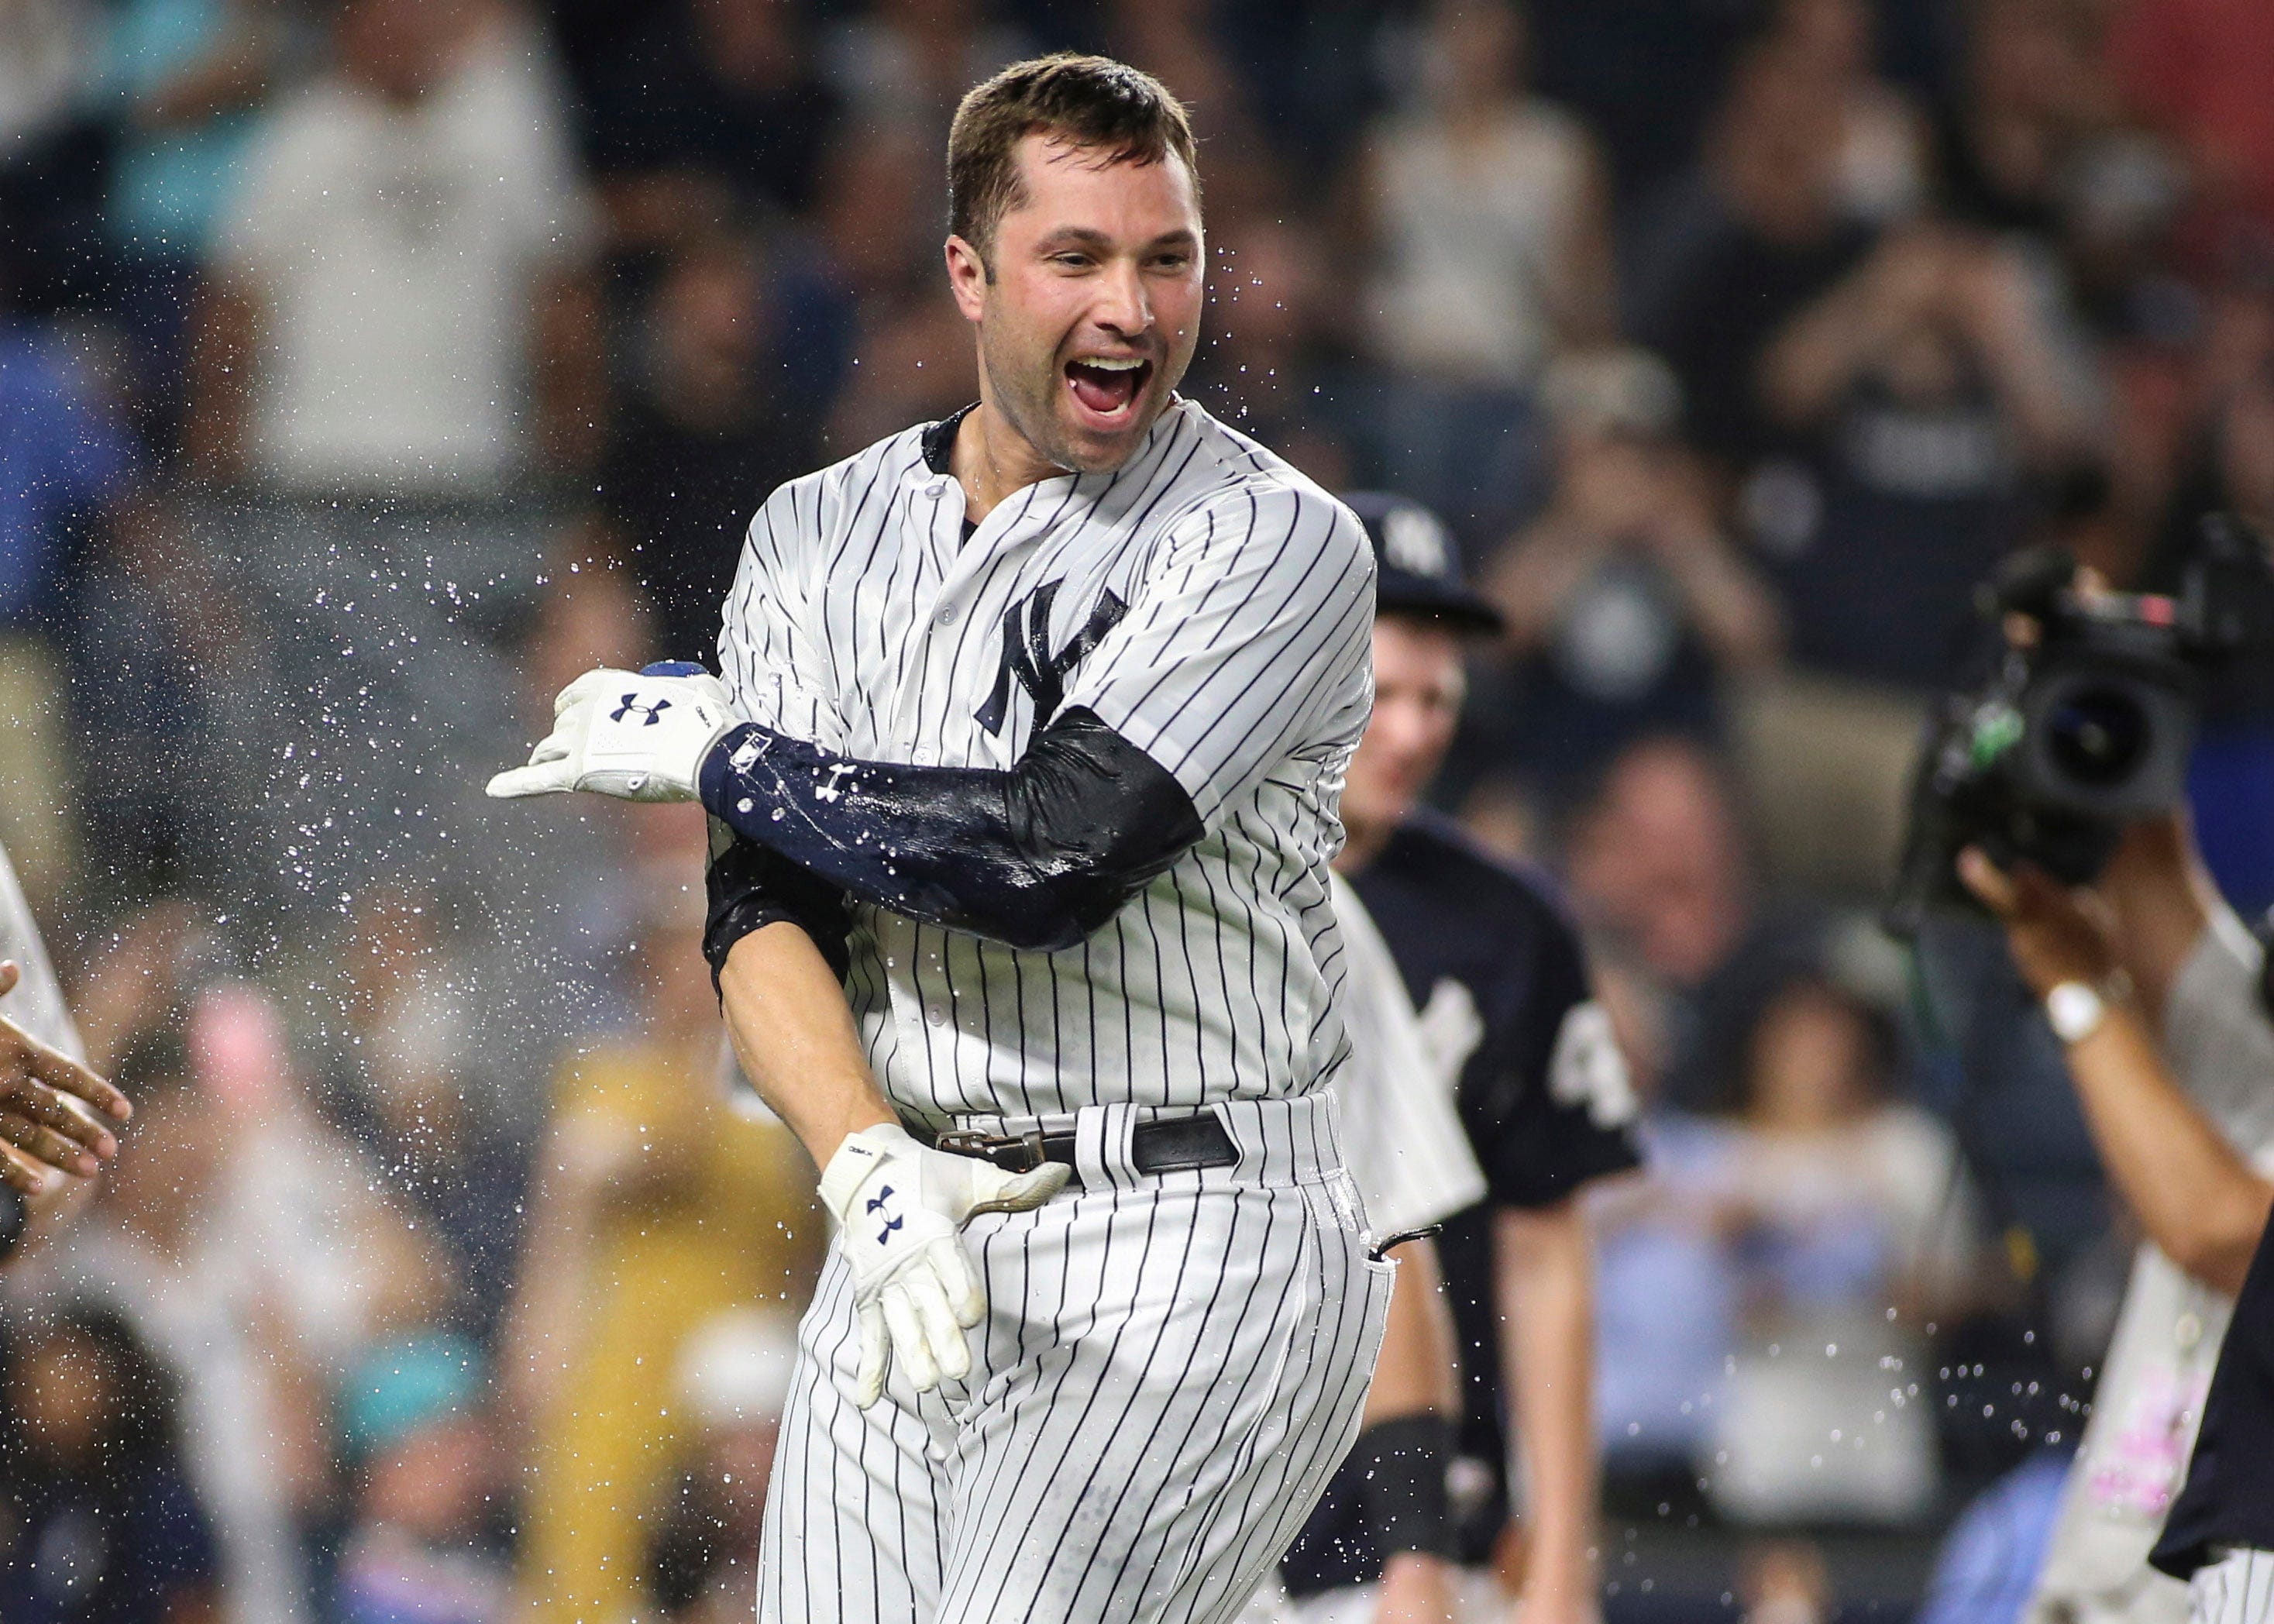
[2074, 1011]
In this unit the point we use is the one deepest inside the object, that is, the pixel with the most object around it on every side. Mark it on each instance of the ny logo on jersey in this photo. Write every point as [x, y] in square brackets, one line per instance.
[1027, 654]
[653, 713]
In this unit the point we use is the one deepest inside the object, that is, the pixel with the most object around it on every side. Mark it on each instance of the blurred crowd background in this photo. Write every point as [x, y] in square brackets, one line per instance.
[367, 371]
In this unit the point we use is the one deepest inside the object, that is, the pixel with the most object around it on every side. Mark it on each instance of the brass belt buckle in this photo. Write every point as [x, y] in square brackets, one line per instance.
[1013, 1153]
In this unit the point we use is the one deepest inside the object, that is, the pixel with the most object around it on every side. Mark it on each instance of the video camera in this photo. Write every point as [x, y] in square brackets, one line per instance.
[2084, 725]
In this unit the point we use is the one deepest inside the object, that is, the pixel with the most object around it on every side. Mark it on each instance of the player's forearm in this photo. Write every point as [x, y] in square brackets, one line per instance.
[2196, 1197]
[1037, 856]
[1545, 1268]
[793, 1032]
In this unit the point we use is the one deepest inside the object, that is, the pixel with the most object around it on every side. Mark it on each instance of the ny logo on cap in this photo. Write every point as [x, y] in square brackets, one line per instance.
[1413, 541]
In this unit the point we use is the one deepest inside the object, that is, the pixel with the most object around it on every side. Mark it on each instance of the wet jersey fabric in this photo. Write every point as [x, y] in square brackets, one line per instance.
[1207, 603]
[1501, 981]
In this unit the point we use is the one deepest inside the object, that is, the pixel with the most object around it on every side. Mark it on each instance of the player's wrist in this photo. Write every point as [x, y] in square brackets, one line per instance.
[718, 786]
[859, 1157]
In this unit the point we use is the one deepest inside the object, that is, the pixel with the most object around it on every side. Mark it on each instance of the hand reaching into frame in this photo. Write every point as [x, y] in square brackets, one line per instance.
[53, 1110]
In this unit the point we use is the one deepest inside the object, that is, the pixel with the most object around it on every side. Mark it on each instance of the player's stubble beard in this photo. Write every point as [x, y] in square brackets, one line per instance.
[1027, 389]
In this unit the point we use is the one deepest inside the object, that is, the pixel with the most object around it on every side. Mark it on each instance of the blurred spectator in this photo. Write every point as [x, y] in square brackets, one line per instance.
[162, 654]
[735, 1375]
[1658, 864]
[420, 189]
[658, 1205]
[916, 362]
[2033, 85]
[51, 156]
[1492, 250]
[1269, 363]
[1624, 603]
[1882, 158]
[710, 106]
[1988, 1565]
[1932, 384]
[1667, 1291]
[1785, 1581]
[321, 1243]
[101, 1525]
[408, 1088]
[908, 62]
[180, 79]
[1850, 1226]
[1489, 212]
[2198, 68]
[1727, 254]
[155, 1252]
[139, 977]
[423, 1541]
[61, 464]
[703, 437]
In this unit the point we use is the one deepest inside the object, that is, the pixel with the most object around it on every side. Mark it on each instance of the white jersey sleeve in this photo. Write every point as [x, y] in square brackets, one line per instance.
[1402, 1136]
[1249, 639]
[775, 669]
[37, 1003]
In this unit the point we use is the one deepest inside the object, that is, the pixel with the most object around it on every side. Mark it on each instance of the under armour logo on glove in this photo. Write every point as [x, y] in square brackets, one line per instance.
[653, 713]
[915, 1289]
[683, 712]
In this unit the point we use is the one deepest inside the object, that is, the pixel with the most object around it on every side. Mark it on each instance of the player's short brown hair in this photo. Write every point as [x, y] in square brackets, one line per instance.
[1091, 102]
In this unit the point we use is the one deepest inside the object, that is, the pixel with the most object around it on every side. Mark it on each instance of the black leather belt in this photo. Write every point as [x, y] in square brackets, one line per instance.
[1171, 1145]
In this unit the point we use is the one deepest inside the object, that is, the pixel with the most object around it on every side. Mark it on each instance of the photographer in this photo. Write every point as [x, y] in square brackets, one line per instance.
[2150, 983]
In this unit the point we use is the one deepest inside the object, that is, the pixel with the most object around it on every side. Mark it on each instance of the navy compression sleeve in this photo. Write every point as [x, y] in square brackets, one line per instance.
[749, 887]
[1038, 856]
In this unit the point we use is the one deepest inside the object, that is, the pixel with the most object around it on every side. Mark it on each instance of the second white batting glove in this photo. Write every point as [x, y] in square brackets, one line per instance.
[636, 735]
[900, 1207]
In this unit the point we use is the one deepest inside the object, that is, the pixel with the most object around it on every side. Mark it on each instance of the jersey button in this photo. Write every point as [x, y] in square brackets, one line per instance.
[936, 1016]
[945, 616]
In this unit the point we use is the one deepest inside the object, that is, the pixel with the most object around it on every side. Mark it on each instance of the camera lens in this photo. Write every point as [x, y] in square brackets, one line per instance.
[2096, 736]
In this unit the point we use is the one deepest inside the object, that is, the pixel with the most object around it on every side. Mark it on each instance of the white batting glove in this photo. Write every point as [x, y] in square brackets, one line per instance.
[900, 1208]
[636, 735]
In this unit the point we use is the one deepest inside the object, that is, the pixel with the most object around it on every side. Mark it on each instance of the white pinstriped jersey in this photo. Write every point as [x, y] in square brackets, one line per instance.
[1206, 601]
[1403, 1141]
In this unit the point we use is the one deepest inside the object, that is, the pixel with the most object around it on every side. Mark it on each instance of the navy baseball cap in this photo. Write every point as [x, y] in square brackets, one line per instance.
[1417, 566]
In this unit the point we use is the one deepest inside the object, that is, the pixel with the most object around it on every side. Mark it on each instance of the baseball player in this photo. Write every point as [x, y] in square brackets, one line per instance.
[1385, 1518]
[1024, 772]
[1501, 983]
[51, 1107]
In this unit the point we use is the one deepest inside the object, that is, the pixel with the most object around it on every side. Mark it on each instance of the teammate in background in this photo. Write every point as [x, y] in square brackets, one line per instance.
[52, 1109]
[1501, 983]
[1019, 879]
[1385, 1524]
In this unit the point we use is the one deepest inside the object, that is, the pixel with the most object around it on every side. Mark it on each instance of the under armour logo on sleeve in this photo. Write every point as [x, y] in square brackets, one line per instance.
[1027, 654]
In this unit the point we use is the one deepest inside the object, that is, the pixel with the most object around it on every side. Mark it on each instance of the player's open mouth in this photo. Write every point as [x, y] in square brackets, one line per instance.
[1108, 387]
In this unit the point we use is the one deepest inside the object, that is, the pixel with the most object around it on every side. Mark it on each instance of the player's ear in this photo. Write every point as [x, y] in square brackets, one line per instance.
[967, 276]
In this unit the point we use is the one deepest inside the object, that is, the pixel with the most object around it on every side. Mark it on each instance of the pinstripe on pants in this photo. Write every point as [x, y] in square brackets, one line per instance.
[2238, 1589]
[1169, 1370]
